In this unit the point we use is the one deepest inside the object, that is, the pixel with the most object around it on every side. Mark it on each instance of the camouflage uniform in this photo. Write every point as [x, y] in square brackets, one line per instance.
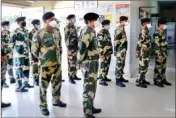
[88, 56]
[144, 49]
[20, 44]
[161, 47]
[105, 47]
[5, 50]
[34, 60]
[46, 47]
[120, 48]
[71, 40]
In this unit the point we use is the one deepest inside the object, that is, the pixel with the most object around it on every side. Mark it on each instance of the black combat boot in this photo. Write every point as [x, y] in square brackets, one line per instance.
[158, 82]
[5, 84]
[44, 111]
[76, 78]
[145, 82]
[36, 80]
[107, 79]
[141, 84]
[120, 83]
[12, 80]
[124, 80]
[165, 82]
[60, 104]
[71, 80]
[21, 90]
[28, 85]
[89, 116]
[103, 83]
[4, 105]
[95, 111]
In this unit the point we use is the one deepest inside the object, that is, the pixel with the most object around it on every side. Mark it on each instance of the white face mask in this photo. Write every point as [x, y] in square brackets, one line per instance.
[5, 28]
[38, 27]
[108, 27]
[96, 23]
[149, 26]
[165, 27]
[73, 20]
[126, 23]
[53, 24]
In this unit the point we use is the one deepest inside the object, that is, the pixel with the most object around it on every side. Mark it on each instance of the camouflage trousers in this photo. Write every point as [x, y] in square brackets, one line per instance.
[120, 64]
[160, 70]
[50, 74]
[72, 58]
[90, 72]
[104, 66]
[22, 71]
[3, 72]
[144, 60]
[35, 67]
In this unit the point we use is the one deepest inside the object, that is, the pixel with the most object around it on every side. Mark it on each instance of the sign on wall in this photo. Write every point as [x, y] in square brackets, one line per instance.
[122, 10]
[85, 4]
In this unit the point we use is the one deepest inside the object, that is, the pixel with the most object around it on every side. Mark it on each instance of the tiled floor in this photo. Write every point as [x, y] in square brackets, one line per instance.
[114, 101]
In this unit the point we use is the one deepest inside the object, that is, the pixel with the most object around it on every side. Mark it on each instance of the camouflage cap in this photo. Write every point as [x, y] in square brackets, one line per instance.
[5, 23]
[162, 21]
[91, 16]
[106, 22]
[70, 16]
[35, 21]
[48, 15]
[20, 19]
[123, 18]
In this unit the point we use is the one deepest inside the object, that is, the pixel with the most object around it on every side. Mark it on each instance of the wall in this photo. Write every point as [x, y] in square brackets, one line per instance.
[47, 5]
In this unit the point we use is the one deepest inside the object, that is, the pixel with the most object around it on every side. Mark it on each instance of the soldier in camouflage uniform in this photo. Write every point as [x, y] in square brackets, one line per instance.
[46, 47]
[105, 47]
[120, 48]
[143, 51]
[5, 35]
[161, 47]
[71, 39]
[88, 55]
[34, 60]
[4, 52]
[19, 42]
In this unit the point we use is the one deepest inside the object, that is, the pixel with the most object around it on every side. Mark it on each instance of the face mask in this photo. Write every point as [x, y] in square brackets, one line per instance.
[73, 20]
[126, 23]
[108, 27]
[6, 28]
[165, 27]
[23, 24]
[96, 24]
[149, 26]
[38, 26]
[53, 24]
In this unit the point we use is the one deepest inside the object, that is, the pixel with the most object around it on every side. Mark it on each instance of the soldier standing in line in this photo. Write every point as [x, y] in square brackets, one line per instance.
[106, 49]
[71, 39]
[46, 46]
[88, 55]
[34, 60]
[161, 47]
[5, 35]
[20, 43]
[143, 51]
[4, 52]
[120, 48]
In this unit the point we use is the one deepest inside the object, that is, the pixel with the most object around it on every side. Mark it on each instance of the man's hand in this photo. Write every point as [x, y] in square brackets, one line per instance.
[137, 54]
[4, 59]
[102, 56]
[78, 66]
[160, 58]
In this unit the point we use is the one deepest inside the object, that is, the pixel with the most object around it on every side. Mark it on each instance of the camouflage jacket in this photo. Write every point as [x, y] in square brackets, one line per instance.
[46, 46]
[5, 36]
[71, 37]
[144, 41]
[120, 39]
[161, 44]
[88, 45]
[104, 42]
[31, 34]
[19, 42]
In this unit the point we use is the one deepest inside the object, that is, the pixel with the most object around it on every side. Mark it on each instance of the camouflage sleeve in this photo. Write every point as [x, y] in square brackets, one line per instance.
[101, 43]
[12, 41]
[36, 45]
[30, 40]
[66, 32]
[60, 43]
[157, 44]
[139, 43]
[83, 46]
[117, 37]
